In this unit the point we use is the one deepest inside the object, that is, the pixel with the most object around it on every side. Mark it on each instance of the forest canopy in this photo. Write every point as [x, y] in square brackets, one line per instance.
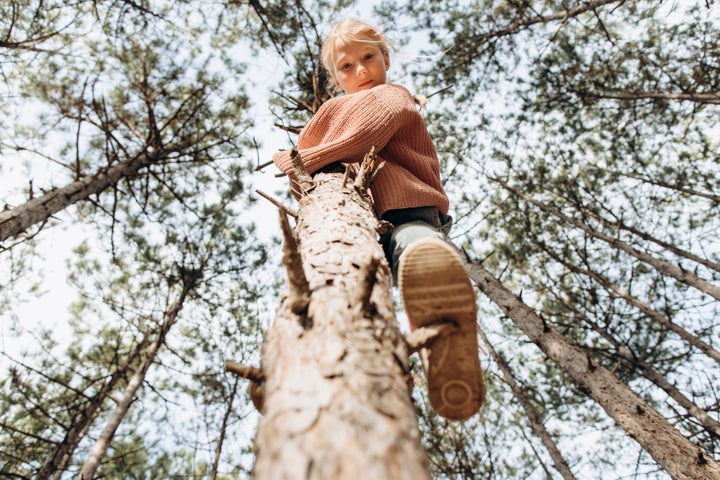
[579, 144]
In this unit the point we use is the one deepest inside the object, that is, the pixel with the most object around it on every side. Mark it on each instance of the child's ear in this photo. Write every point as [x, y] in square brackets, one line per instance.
[386, 55]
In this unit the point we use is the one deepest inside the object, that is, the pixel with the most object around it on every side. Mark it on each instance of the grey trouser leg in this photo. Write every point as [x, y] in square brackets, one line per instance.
[410, 225]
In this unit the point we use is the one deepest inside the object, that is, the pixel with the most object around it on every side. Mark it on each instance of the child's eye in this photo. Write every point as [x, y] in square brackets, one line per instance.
[369, 56]
[345, 66]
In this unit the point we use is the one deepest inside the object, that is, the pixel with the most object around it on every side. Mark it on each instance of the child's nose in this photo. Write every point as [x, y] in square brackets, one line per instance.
[361, 69]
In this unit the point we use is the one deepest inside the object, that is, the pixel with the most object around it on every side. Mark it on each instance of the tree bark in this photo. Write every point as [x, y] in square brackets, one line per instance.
[40, 209]
[337, 402]
[645, 369]
[671, 450]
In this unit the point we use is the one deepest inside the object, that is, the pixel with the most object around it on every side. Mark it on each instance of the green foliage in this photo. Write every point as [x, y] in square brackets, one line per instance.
[569, 134]
[583, 131]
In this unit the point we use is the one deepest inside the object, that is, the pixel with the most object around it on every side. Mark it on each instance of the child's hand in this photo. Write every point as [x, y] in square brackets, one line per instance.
[420, 100]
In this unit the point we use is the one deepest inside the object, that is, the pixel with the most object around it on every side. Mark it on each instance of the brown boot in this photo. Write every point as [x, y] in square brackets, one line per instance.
[435, 288]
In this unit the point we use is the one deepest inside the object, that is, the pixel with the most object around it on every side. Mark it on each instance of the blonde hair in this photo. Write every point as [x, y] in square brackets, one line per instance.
[347, 31]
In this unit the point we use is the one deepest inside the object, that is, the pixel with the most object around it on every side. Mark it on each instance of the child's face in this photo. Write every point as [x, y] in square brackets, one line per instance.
[360, 66]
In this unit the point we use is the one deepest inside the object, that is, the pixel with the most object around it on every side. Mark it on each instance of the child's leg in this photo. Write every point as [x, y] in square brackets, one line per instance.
[435, 288]
[412, 224]
[404, 235]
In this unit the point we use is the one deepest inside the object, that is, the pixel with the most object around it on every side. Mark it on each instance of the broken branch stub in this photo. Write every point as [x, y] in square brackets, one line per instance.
[298, 290]
[257, 380]
[369, 168]
[302, 176]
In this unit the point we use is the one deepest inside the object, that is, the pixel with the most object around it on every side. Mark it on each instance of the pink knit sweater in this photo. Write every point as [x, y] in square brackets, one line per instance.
[344, 129]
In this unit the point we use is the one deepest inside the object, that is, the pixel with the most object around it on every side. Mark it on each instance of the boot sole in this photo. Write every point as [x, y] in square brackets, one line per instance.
[435, 288]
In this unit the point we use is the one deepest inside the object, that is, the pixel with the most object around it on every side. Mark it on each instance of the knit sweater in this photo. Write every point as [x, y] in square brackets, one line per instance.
[343, 130]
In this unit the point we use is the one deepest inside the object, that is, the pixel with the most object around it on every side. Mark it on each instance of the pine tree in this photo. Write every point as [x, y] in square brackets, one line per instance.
[334, 369]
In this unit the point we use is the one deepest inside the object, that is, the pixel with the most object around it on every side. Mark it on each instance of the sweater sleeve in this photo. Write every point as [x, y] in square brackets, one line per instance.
[346, 127]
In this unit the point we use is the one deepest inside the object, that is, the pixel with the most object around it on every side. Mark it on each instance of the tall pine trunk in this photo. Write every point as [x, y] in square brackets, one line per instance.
[677, 455]
[39, 210]
[102, 444]
[335, 366]
[61, 455]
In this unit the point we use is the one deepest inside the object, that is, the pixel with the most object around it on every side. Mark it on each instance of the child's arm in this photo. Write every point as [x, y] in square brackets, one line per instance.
[345, 128]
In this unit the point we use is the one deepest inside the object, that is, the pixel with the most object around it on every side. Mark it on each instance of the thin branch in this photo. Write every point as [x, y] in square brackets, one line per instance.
[369, 168]
[277, 203]
[298, 286]
[561, 16]
[701, 97]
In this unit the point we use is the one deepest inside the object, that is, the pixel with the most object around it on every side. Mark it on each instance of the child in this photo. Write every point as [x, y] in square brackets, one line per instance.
[407, 192]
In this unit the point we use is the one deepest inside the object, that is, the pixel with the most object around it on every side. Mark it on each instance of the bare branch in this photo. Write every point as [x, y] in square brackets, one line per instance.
[561, 16]
[368, 171]
[277, 203]
[298, 286]
[698, 97]
[302, 176]
[289, 128]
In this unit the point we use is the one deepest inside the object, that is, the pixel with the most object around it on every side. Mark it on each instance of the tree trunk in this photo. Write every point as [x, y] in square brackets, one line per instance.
[99, 449]
[535, 418]
[335, 365]
[61, 455]
[671, 450]
[223, 429]
[40, 209]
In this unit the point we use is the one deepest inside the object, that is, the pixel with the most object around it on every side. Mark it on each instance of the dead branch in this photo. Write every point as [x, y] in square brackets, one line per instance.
[425, 336]
[289, 128]
[369, 168]
[298, 286]
[277, 203]
[302, 176]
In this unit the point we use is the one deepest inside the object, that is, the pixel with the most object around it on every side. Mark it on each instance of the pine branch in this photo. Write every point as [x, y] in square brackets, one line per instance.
[298, 286]
[302, 176]
[369, 168]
